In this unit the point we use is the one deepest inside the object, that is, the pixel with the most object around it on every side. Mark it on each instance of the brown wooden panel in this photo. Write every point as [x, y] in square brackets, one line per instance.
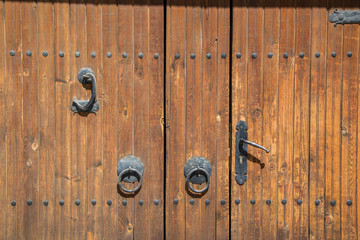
[3, 142]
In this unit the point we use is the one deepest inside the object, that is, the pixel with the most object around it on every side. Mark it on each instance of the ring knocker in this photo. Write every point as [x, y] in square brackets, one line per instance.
[197, 170]
[130, 169]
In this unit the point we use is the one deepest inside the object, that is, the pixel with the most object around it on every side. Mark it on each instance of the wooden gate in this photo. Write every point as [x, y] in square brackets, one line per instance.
[175, 81]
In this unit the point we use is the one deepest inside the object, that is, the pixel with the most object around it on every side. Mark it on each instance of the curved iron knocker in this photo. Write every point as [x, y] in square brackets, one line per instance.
[86, 76]
[138, 176]
[197, 171]
[130, 169]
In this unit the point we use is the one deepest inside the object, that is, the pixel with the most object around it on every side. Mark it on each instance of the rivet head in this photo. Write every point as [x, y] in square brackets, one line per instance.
[286, 55]
[77, 202]
[45, 53]
[222, 202]
[349, 202]
[156, 202]
[176, 201]
[61, 54]
[192, 201]
[29, 202]
[301, 55]
[238, 55]
[13, 203]
[283, 201]
[207, 201]
[108, 54]
[208, 55]
[223, 55]
[141, 202]
[61, 202]
[124, 202]
[192, 55]
[177, 55]
[268, 201]
[349, 54]
[93, 54]
[270, 55]
[332, 202]
[317, 202]
[156, 56]
[12, 53]
[252, 201]
[77, 54]
[93, 202]
[299, 201]
[124, 55]
[253, 55]
[46, 203]
[140, 55]
[109, 202]
[333, 54]
[317, 54]
[237, 201]
[28, 53]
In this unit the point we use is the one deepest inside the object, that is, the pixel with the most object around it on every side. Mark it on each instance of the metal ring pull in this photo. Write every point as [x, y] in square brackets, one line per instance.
[204, 173]
[138, 176]
[197, 170]
[86, 76]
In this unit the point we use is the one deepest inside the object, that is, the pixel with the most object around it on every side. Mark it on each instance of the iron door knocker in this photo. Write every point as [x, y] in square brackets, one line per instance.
[130, 169]
[197, 170]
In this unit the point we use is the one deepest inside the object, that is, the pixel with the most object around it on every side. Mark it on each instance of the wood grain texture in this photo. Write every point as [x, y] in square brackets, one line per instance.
[3, 142]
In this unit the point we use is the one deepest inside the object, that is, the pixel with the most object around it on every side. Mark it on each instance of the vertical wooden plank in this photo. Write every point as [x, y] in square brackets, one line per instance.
[46, 120]
[156, 118]
[301, 120]
[125, 141]
[333, 123]
[239, 112]
[222, 122]
[286, 120]
[175, 120]
[13, 117]
[63, 120]
[95, 121]
[349, 128]
[317, 117]
[270, 118]
[3, 137]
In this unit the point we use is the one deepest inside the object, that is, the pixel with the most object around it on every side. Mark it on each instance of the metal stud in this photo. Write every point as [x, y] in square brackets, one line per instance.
[268, 201]
[253, 55]
[317, 54]
[238, 55]
[349, 54]
[141, 202]
[45, 53]
[140, 55]
[77, 54]
[208, 55]
[61, 202]
[156, 202]
[61, 54]
[93, 202]
[332, 202]
[286, 55]
[317, 202]
[77, 202]
[124, 202]
[29, 202]
[192, 55]
[252, 201]
[156, 56]
[301, 55]
[237, 201]
[207, 201]
[46, 203]
[124, 55]
[108, 54]
[93, 54]
[192, 201]
[28, 53]
[222, 202]
[12, 53]
[283, 201]
[349, 202]
[270, 55]
[109, 202]
[13, 203]
[223, 55]
[333, 54]
[299, 201]
[177, 55]
[176, 201]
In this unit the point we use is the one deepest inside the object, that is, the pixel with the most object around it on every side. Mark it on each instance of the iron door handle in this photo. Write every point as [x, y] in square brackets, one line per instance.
[130, 169]
[197, 170]
[86, 76]
[241, 152]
